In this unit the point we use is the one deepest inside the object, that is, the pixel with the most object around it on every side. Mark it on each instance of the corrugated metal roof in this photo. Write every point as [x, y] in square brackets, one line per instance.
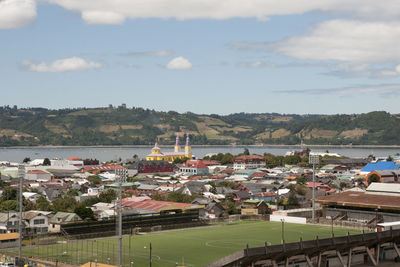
[384, 188]
[381, 165]
[9, 236]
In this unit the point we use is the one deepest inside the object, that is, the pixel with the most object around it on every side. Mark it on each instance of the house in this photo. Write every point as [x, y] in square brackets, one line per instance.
[194, 167]
[31, 196]
[254, 207]
[9, 240]
[34, 222]
[213, 209]
[248, 162]
[37, 222]
[386, 176]
[150, 166]
[36, 175]
[193, 187]
[62, 218]
[378, 166]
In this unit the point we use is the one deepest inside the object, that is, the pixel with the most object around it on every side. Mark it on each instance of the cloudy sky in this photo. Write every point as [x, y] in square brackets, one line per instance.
[203, 56]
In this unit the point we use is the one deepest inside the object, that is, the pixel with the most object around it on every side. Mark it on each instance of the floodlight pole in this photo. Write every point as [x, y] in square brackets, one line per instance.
[120, 176]
[283, 230]
[21, 174]
[313, 159]
[313, 194]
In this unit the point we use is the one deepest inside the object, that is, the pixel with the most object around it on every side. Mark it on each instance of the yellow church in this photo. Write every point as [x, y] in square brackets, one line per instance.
[156, 153]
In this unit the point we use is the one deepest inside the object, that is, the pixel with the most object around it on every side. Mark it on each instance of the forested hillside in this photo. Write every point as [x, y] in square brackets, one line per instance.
[138, 126]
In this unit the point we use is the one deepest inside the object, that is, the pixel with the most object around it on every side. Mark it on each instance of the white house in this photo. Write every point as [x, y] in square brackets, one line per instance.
[37, 175]
[31, 196]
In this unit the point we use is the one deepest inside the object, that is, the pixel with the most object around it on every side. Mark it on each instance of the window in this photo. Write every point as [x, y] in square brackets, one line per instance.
[38, 221]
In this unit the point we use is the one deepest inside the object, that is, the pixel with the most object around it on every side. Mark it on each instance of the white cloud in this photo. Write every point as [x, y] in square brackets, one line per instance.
[364, 70]
[16, 13]
[156, 53]
[382, 89]
[102, 17]
[255, 64]
[344, 40]
[117, 11]
[62, 65]
[179, 63]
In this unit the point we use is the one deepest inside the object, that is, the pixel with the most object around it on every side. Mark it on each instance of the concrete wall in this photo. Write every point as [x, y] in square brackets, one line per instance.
[287, 219]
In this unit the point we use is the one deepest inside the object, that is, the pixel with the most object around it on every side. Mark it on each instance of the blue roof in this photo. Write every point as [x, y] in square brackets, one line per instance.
[381, 165]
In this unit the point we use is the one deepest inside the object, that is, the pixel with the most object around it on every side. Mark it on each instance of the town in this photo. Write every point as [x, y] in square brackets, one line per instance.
[77, 198]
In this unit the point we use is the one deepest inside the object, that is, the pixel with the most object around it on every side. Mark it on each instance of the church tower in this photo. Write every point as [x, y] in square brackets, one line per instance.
[188, 148]
[156, 149]
[177, 146]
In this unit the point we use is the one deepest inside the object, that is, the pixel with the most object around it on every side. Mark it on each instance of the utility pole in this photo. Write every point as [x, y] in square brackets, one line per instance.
[313, 159]
[21, 175]
[121, 176]
[283, 230]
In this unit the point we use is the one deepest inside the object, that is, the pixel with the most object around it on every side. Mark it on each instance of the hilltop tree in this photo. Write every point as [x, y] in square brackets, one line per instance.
[373, 178]
[46, 162]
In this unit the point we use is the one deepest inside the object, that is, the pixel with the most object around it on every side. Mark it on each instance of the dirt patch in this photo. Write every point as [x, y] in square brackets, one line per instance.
[13, 133]
[280, 133]
[264, 135]
[213, 121]
[88, 112]
[357, 132]
[109, 128]
[282, 119]
[131, 127]
[58, 129]
[320, 133]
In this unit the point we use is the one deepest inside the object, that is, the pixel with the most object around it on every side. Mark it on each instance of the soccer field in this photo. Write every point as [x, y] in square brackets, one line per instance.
[194, 247]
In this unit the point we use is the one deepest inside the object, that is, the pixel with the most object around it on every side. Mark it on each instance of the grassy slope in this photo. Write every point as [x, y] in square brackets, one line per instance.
[196, 246]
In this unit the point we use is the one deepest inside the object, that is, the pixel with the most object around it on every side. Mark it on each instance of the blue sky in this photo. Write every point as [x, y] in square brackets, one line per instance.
[226, 56]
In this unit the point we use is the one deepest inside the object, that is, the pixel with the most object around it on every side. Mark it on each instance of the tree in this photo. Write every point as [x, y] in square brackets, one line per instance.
[66, 204]
[26, 160]
[246, 152]
[301, 180]
[108, 196]
[84, 212]
[9, 205]
[373, 178]
[42, 204]
[94, 180]
[389, 158]
[72, 193]
[46, 162]
[9, 193]
[179, 197]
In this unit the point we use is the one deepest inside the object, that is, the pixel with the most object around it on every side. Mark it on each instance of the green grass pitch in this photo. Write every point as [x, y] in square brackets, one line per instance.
[194, 247]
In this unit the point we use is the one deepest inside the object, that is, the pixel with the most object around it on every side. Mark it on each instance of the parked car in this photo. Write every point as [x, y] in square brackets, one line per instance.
[7, 264]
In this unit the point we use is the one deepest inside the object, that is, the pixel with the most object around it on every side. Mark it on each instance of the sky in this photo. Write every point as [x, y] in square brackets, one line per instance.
[202, 56]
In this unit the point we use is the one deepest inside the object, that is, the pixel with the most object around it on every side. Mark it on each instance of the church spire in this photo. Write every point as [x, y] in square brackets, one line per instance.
[177, 147]
[188, 149]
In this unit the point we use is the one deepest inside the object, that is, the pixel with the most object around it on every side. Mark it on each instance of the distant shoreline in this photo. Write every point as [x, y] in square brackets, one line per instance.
[204, 146]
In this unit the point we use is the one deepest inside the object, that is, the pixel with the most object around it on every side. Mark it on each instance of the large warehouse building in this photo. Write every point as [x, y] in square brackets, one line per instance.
[379, 203]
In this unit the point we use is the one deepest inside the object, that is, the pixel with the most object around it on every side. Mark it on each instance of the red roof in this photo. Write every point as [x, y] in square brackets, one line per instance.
[210, 162]
[257, 175]
[310, 184]
[151, 204]
[197, 164]
[217, 177]
[74, 158]
[103, 168]
[249, 158]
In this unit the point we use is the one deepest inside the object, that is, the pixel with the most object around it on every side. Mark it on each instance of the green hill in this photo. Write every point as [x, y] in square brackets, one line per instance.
[138, 126]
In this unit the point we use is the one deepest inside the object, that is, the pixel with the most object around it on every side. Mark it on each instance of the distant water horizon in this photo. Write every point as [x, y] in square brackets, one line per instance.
[106, 153]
